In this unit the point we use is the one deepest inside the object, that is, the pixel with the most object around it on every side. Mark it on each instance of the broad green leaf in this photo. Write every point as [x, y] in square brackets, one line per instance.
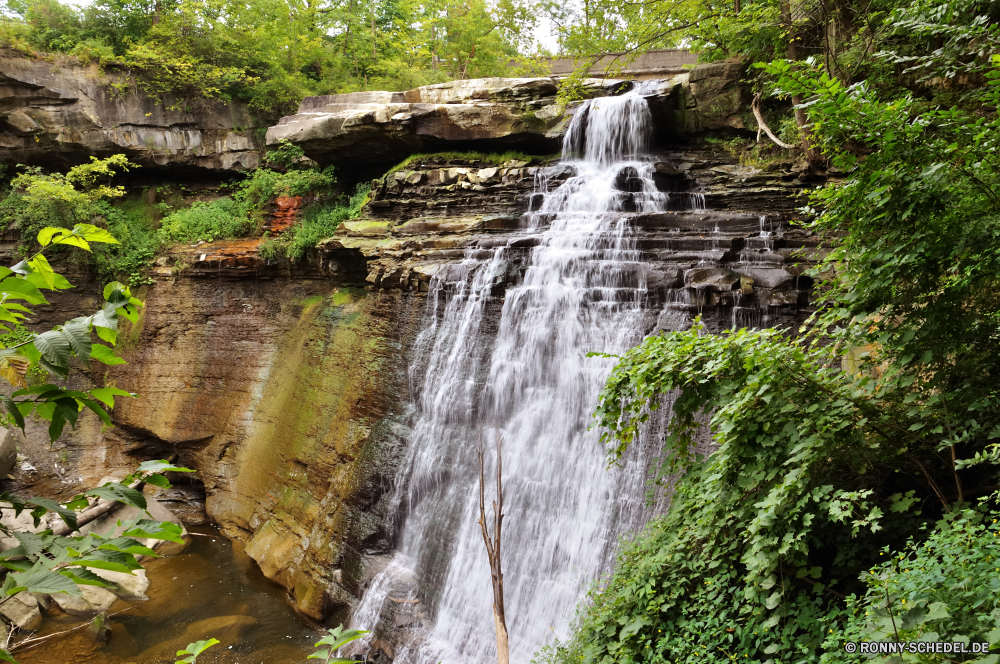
[150, 529]
[55, 347]
[65, 512]
[72, 241]
[40, 579]
[105, 332]
[43, 276]
[112, 560]
[118, 492]
[77, 331]
[107, 396]
[92, 233]
[16, 287]
[161, 467]
[84, 577]
[105, 354]
[127, 545]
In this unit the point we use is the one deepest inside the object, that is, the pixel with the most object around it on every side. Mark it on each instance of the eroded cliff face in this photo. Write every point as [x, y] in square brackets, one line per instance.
[59, 114]
[285, 395]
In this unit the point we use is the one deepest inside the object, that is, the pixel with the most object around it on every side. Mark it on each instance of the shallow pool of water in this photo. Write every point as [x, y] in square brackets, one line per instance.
[211, 590]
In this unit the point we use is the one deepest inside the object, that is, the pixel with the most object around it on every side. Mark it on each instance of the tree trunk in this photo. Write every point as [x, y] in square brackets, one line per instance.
[493, 545]
[503, 652]
[814, 157]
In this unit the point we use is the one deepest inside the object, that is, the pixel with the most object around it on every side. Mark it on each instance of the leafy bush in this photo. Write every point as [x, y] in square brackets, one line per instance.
[223, 218]
[943, 588]
[133, 223]
[37, 199]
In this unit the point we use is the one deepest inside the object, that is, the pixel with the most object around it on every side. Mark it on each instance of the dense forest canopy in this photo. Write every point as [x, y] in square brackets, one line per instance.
[271, 53]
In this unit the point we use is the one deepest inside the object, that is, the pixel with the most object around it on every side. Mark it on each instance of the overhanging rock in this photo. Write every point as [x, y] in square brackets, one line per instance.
[380, 128]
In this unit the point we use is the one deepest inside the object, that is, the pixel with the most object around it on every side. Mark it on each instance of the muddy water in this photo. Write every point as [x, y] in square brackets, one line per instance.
[212, 590]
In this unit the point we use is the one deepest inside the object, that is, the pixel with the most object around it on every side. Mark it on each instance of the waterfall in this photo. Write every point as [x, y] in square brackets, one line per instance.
[528, 378]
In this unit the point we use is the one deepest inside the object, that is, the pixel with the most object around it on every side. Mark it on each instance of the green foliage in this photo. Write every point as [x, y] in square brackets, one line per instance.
[326, 648]
[195, 649]
[134, 225]
[54, 350]
[318, 222]
[944, 588]
[839, 486]
[38, 199]
[284, 155]
[272, 54]
[243, 213]
[223, 218]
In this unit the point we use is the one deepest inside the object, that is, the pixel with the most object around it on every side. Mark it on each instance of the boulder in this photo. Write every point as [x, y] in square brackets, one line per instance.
[92, 601]
[774, 278]
[22, 611]
[711, 278]
[130, 587]
[628, 180]
[8, 452]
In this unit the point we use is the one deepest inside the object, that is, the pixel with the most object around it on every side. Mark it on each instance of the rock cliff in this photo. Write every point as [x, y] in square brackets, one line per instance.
[362, 130]
[284, 384]
[59, 114]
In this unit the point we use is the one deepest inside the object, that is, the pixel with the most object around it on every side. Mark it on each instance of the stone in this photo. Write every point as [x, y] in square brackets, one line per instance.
[666, 168]
[22, 611]
[486, 175]
[44, 601]
[628, 180]
[130, 587]
[774, 278]
[416, 177]
[92, 601]
[98, 629]
[713, 278]
[8, 452]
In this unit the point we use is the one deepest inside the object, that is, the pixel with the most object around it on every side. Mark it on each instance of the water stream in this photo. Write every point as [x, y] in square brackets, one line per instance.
[528, 379]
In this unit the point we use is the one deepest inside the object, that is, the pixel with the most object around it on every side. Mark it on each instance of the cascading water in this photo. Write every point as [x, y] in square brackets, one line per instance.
[584, 289]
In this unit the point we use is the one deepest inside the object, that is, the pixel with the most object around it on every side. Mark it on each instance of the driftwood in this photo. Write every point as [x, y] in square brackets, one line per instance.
[92, 513]
[493, 549]
[755, 106]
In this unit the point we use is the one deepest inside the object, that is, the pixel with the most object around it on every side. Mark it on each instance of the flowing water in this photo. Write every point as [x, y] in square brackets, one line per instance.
[528, 379]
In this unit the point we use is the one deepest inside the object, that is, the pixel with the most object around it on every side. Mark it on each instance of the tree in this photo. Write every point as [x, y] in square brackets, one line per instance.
[493, 549]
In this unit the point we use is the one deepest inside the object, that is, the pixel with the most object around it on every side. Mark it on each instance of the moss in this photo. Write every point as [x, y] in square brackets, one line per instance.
[348, 295]
[497, 159]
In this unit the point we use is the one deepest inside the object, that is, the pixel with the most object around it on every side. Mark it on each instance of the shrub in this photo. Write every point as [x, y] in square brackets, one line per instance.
[212, 221]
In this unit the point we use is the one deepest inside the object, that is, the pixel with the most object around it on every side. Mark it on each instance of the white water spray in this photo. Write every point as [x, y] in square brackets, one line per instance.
[584, 290]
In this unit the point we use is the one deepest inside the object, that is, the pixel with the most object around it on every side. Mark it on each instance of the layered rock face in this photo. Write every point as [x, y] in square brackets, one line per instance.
[738, 261]
[493, 114]
[285, 385]
[60, 114]
[361, 130]
[285, 396]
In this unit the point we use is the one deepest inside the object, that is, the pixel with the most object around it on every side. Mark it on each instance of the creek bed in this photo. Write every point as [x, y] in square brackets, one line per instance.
[211, 590]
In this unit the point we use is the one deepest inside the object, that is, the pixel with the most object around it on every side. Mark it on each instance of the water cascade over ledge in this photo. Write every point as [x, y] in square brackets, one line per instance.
[582, 288]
